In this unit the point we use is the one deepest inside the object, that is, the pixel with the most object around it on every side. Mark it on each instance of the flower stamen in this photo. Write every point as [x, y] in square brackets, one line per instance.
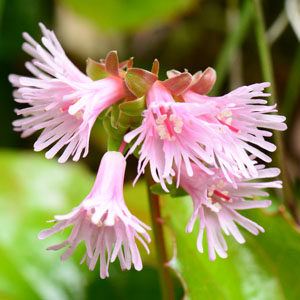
[65, 108]
[165, 127]
[225, 118]
[222, 195]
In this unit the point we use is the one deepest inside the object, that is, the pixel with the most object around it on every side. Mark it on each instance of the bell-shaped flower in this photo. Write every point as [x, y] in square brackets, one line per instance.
[216, 203]
[61, 100]
[171, 134]
[104, 222]
[241, 123]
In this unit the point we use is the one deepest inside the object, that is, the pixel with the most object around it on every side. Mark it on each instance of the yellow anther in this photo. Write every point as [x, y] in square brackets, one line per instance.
[79, 115]
[218, 206]
[178, 129]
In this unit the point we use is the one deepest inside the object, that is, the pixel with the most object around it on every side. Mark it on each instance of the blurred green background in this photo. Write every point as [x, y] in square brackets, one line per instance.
[180, 34]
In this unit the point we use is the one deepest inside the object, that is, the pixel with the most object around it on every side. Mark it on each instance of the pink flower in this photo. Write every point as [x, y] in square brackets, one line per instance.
[239, 123]
[61, 99]
[172, 134]
[104, 222]
[215, 202]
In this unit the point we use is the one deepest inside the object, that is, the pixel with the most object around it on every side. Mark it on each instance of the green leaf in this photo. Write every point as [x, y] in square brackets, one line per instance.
[1, 10]
[265, 267]
[129, 16]
[32, 191]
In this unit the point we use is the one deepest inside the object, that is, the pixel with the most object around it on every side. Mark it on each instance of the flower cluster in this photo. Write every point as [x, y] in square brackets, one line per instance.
[209, 146]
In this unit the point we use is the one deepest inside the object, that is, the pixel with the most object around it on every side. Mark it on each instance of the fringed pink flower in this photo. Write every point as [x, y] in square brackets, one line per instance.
[240, 122]
[216, 203]
[104, 222]
[172, 134]
[62, 100]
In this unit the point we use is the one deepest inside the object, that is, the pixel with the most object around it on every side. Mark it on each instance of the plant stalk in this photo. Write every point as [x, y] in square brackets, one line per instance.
[166, 283]
[231, 44]
[268, 75]
[292, 89]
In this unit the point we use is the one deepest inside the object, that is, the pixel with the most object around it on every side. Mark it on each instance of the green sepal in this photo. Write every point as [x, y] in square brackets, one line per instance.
[121, 120]
[204, 82]
[179, 83]
[112, 63]
[115, 115]
[95, 70]
[111, 131]
[127, 121]
[115, 134]
[134, 108]
[174, 192]
[139, 81]
[172, 73]
[135, 122]
[155, 67]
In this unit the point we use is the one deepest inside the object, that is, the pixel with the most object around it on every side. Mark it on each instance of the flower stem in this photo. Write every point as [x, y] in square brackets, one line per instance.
[122, 146]
[268, 75]
[290, 99]
[166, 283]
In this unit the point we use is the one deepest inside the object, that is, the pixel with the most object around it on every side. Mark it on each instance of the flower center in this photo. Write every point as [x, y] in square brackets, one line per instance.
[218, 191]
[62, 109]
[78, 115]
[225, 118]
[168, 125]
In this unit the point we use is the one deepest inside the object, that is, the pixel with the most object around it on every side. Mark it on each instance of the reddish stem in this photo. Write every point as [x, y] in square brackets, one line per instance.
[122, 147]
